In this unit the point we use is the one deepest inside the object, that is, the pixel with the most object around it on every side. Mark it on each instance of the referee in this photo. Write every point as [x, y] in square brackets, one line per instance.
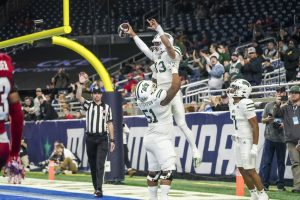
[98, 125]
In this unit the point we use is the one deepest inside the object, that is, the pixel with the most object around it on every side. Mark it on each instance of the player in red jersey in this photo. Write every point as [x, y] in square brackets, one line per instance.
[10, 106]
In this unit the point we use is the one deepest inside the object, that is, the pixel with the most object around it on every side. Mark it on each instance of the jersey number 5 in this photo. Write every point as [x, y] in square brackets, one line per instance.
[235, 126]
[151, 118]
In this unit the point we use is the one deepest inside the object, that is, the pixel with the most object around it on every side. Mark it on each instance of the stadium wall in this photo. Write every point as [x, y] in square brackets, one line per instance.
[212, 131]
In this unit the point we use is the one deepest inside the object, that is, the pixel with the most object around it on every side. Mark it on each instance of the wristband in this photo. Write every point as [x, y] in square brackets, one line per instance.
[254, 146]
[159, 30]
[174, 70]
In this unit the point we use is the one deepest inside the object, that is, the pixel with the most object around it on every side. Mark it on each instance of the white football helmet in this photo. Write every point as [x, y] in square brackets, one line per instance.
[144, 89]
[239, 88]
[159, 47]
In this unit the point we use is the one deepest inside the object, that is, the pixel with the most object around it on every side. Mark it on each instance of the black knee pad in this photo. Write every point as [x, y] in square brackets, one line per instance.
[167, 175]
[154, 177]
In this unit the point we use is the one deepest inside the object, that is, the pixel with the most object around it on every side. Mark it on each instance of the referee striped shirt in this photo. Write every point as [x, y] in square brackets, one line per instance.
[97, 117]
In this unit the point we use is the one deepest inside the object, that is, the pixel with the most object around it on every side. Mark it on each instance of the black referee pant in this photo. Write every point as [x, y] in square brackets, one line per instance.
[97, 149]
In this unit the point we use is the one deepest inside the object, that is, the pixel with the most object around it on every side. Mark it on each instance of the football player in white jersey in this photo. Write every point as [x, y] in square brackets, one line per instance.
[155, 104]
[163, 54]
[245, 137]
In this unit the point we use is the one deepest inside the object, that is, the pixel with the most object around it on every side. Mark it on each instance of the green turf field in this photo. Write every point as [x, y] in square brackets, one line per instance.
[179, 184]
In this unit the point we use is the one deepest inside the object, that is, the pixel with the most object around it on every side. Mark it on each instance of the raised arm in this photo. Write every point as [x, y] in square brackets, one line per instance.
[164, 38]
[139, 43]
[79, 93]
[172, 91]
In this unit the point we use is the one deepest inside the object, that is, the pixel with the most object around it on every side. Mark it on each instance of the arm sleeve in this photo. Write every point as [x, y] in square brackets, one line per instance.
[86, 104]
[143, 47]
[161, 95]
[249, 109]
[178, 54]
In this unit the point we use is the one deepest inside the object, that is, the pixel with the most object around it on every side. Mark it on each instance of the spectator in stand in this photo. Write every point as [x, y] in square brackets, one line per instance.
[179, 41]
[290, 59]
[213, 49]
[267, 66]
[67, 114]
[283, 35]
[224, 54]
[258, 49]
[28, 110]
[47, 110]
[274, 143]
[130, 82]
[271, 52]
[232, 70]
[296, 34]
[98, 83]
[213, 52]
[223, 104]
[252, 68]
[86, 83]
[36, 102]
[208, 104]
[282, 47]
[193, 107]
[78, 114]
[215, 71]
[61, 79]
[201, 64]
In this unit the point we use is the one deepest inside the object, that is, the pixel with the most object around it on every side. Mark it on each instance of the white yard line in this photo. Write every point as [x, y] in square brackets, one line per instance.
[113, 190]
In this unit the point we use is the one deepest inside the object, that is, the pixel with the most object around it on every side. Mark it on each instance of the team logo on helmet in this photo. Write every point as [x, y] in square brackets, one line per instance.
[239, 88]
[144, 89]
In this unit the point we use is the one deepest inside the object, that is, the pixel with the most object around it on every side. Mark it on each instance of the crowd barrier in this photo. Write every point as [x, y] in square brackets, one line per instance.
[212, 132]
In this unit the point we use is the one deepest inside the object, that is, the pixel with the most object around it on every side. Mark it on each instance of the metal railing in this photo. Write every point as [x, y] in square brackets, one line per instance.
[193, 88]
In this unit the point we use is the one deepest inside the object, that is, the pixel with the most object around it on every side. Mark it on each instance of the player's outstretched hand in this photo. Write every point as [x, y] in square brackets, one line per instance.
[152, 24]
[129, 30]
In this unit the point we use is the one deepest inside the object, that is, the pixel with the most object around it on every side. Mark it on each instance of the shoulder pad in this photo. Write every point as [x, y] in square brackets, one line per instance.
[177, 50]
[160, 94]
[248, 104]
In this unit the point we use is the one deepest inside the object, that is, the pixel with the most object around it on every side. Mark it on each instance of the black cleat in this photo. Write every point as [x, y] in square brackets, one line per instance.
[98, 193]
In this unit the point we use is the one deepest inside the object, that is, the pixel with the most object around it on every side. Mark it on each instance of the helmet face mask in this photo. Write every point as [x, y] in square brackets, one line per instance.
[144, 90]
[239, 88]
[158, 47]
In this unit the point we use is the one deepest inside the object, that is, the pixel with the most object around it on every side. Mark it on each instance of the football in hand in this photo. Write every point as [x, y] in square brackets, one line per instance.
[122, 30]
